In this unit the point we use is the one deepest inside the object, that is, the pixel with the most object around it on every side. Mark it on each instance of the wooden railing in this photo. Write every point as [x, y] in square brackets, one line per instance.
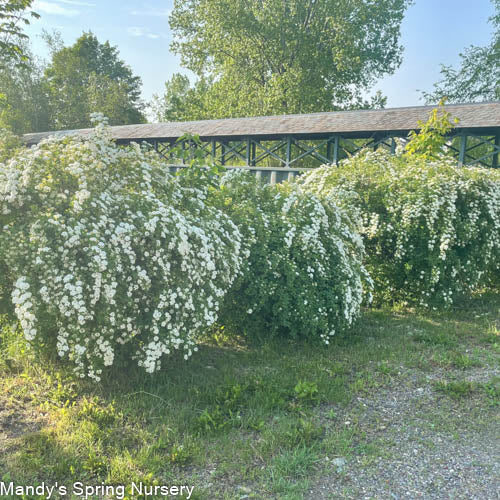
[268, 175]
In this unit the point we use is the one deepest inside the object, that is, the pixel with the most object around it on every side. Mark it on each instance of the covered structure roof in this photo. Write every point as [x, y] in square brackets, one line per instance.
[474, 117]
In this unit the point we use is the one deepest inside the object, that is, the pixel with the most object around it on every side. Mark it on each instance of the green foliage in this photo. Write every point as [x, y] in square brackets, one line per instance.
[9, 145]
[478, 78]
[93, 410]
[26, 106]
[79, 80]
[431, 229]
[455, 389]
[459, 360]
[225, 410]
[492, 390]
[303, 273]
[105, 256]
[307, 391]
[181, 102]
[13, 17]
[321, 55]
[303, 432]
[429, 141]
[89, 77]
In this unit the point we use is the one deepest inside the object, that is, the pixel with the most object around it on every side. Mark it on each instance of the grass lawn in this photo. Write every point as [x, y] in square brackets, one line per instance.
[281, 420]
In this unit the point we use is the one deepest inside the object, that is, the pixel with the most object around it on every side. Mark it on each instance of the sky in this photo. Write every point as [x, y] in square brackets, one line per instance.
[433, 32]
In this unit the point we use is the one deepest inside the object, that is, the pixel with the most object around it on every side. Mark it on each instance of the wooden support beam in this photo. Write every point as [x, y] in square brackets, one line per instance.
[463, 148]
[269, 152]
[496, 145]
[234, 151]
[354, 146]
[336, 150]
[312, 151]
[214, 150]
[249, 153]
[329, 154]
[222, 153]
[288, 151]
[466, 153]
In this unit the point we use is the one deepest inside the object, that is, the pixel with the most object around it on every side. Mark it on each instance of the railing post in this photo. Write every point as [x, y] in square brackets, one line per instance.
[496, 145]
[249, 152]
[214, 150]
[329, 150]
[288, 151]
[463, 148]
[336, 150]
[222, 153]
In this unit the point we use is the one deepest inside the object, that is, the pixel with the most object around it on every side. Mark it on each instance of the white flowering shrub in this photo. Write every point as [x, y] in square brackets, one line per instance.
[9, 143]
[431, 229]
[103, 253]
[303, 276]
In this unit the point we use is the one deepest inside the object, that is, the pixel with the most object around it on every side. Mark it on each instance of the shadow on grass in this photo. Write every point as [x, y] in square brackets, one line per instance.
[234, 399]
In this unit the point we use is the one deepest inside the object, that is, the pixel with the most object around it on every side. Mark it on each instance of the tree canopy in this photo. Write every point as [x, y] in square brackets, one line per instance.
[478, 77]
[287, 56]
[81, 79]
[181, 101]
[13, 16]
[25, 106]
[89, 77]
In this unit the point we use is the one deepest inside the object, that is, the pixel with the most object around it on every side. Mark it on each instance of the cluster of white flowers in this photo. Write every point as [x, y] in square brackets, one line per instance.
[304, 275]
[107, 255]
[431, 229]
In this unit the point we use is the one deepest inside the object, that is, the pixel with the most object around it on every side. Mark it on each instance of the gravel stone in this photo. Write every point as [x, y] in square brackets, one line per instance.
[429, 446]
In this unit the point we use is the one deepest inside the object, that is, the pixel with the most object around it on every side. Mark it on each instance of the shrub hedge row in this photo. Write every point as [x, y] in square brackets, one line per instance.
[103, 254]
[431, 229]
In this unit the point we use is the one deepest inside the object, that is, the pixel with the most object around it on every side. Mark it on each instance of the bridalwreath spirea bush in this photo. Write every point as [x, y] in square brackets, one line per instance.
[304, 275]
[431, 229]
[101, 251]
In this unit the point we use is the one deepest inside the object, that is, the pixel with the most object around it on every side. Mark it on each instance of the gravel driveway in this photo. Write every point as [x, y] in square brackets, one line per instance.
[419, 443]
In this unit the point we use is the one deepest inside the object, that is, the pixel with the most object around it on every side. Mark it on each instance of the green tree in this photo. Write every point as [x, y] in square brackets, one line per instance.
[13, 16]
[89, 77]
[203, 101]
[181, 101]
[431, 138]
[478, 78]
[25, 106]
[287, 56]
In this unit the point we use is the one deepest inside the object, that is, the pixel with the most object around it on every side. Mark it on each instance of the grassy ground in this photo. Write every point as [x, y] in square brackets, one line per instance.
[240, 421]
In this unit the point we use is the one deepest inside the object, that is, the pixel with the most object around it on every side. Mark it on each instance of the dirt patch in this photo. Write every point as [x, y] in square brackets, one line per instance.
[16, 420]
